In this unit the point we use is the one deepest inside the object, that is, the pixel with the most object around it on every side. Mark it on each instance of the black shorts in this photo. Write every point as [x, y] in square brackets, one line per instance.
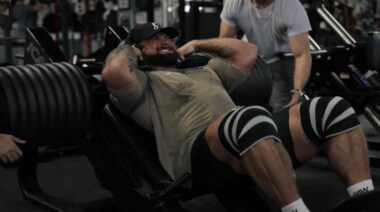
[281, 118]
[210, 174]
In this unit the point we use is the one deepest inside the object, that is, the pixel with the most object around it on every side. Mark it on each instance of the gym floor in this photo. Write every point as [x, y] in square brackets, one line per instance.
[72, 179]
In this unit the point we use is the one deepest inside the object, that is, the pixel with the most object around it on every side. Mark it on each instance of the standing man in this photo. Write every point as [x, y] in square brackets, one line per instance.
[275, 26]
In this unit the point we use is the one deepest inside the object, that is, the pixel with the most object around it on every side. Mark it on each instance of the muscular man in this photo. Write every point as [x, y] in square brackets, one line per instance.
[199, 129]
[275, 26]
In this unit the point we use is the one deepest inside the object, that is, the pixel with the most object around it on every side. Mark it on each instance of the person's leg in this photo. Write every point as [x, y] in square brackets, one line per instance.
[348, 156]
[331, 124]
[282, 78]
[246, 141]
[234, 191]
[270, 167]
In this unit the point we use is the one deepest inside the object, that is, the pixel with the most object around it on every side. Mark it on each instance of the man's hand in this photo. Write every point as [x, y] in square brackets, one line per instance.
[187, 49]
[294, 99]
[9, 151]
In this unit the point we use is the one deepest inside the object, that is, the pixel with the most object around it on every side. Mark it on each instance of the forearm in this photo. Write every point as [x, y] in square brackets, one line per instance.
[224, 47]
[302, 71]
[300, 47]
[240, 53]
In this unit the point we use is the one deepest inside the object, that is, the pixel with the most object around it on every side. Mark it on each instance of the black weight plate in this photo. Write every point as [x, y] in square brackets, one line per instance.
[86, 94]
[32, 105]
[256, 89]
[82, 90]
[23, 101]
[39, 126]
[79, 100]
[71, 98]
[71, 111]
[65, 91]
[60, 95]
[13, 107]
[50, 111]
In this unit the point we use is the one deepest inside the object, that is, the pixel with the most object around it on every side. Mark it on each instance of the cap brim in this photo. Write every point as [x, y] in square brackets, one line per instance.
[172, 32]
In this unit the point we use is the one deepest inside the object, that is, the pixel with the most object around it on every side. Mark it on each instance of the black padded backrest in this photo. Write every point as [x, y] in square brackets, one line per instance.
[138, 145]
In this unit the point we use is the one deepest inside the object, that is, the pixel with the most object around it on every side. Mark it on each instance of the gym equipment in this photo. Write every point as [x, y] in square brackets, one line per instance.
[40, 47]
[365, 203]
[43, 104]
[257, 88]
[131, 152]
[93, 64]
[191, 16]
[373, 52]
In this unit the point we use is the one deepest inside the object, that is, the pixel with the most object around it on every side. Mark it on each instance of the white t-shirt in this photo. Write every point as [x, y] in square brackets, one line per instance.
[268, 28]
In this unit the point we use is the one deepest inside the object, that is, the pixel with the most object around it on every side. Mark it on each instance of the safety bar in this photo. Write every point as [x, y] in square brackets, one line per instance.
[336, 26]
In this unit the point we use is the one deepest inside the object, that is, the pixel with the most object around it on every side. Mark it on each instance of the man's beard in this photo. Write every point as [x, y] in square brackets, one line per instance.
[162, 60]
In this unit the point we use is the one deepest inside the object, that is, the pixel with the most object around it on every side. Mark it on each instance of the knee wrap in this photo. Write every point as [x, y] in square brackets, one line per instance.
[325, 117]
[244, 127]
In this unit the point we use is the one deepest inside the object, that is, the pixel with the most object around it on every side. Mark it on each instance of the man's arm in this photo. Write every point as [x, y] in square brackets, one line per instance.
[226, 31]
[242, 55]
[119, 71]
[300, 47]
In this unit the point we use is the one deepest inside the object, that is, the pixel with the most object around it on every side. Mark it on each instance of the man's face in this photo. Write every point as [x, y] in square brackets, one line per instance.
[159, 50]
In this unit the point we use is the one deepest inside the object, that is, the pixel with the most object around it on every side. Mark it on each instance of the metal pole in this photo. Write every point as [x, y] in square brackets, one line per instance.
[165, 14]
[182, 22]
[65, 27]
[132, 14]
[150, 10]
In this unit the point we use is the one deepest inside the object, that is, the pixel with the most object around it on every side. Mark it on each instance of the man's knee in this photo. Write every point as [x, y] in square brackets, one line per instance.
[244, 127]
[325, 117]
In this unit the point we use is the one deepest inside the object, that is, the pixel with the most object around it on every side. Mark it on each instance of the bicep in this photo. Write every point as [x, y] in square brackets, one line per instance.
[127, 100]
[228, 75]
[119, 77]
[299, 44]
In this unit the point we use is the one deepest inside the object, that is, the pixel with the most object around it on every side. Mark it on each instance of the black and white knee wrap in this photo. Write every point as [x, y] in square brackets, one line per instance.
[244, 127]
[325, 117]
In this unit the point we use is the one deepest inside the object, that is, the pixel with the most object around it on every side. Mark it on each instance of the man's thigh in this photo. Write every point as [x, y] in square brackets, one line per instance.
[236, 192]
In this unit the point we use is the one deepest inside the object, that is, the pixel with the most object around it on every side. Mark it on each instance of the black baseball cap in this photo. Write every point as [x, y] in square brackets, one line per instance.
[145, 31]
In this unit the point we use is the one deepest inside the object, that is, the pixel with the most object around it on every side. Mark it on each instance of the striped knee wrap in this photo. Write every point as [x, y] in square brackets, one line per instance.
[244, 127]
[325, 117]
